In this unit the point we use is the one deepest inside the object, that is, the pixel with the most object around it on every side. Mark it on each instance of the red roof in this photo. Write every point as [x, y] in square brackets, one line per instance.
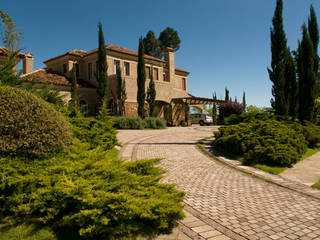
[43, 76]
[4, 51]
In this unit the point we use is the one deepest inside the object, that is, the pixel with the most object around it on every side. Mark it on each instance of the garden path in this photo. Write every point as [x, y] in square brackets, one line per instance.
[306, 171]
[229, 202]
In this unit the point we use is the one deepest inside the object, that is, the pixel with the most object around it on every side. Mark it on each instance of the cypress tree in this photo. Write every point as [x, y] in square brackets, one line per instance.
[141, 80]
[307, 77]
[277, 71]
[226, 95]
[314, 35]
[151, 95]
[244, 100]
[101, 75]
[291, 87]
[121, 93]
[74, 91]
[214, 109]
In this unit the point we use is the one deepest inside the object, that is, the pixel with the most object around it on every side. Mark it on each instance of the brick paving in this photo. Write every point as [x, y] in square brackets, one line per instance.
[232, 203]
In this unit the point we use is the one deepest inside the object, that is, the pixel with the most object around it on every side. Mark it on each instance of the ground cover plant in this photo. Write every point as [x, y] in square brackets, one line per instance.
[267, 142]
[83, 188]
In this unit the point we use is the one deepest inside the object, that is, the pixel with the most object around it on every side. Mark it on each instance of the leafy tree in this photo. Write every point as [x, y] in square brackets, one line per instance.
[141, 80]
[151, 95]
[74, 91]
[244, 99]
[307, 77]
[254, 109]
[291, 86]
[152, 45]
[10, 36]
[278, 52]
[121, 93]
[101, 75]
[227, 98]
[170, 38]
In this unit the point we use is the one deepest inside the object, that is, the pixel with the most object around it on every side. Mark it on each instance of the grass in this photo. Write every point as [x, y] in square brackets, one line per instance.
[12, 230]
[269, 169]
[309, 152]
[316, 185]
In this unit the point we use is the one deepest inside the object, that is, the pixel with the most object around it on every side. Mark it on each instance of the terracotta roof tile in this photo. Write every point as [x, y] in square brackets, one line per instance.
[4, 51]
[43, 76]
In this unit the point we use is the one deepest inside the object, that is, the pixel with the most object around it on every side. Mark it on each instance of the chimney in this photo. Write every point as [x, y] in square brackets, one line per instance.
[28, 63]
[169, 58]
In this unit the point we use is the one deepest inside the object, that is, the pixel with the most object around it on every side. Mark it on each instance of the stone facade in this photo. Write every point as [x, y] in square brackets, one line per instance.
[170, 82]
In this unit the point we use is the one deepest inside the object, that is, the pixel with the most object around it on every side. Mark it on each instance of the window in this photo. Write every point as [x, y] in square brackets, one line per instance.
[90, 72]
[77, 70]
[155, 74]
[83, 107]
[64, 68]
[148, 72]
[184, 84]
[126, 68]
[116, 66]
[165, 78]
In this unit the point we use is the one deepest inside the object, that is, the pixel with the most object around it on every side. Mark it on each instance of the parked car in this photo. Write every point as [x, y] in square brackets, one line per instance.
[201, 118]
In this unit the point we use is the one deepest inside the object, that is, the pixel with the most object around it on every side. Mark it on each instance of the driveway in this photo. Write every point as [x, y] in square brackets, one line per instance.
[238, 205]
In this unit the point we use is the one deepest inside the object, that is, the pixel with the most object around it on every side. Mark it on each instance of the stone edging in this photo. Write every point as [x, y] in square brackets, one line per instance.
[274, 179]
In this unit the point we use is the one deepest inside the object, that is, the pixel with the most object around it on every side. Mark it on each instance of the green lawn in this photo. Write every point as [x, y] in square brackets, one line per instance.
[309, 152]
[269, 169]
[316, 185]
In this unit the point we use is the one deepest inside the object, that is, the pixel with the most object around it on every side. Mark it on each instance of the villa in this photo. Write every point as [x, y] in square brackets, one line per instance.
[171, 83]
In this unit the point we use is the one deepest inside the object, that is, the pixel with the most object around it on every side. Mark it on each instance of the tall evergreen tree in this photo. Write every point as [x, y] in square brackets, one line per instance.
[244, 100]
[277, 71]
[214, 109]
[141, 80]
[152, 45]
[226, 98]
[121, 93]
[307, 77]
[74, 91]
[102, 67]
[151, 95]
[170, 38]
[291, 86]
[313, 29]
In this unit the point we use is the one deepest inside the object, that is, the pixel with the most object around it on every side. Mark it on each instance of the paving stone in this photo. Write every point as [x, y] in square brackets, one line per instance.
[224, 195]
[202, 229]
[211, 233]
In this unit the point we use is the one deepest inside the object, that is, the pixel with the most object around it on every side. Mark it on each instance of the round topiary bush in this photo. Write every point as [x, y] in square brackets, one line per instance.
[29, 126]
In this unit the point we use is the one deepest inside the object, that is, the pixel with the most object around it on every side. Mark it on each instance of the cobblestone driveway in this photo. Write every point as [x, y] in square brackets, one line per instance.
[245, 207]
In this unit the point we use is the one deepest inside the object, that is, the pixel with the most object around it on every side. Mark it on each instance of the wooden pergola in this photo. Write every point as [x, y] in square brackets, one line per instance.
[197, 100]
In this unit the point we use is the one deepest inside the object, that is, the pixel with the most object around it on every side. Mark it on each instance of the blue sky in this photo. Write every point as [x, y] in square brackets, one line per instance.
[224, 43]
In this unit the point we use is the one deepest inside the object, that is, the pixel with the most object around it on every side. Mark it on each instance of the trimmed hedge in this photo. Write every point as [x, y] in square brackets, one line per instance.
[92, 192]
[128, 122]
[154, 122]
[267, 142]
[29, 126]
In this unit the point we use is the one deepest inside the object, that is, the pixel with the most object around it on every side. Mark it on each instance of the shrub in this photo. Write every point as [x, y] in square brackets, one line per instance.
[154, 122]
[91, 191]
[30, 126]
[267, 142]
[128, 122]
[95, 131]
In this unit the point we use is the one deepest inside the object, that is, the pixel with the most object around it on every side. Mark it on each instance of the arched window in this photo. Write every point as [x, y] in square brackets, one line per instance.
[83, 107]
